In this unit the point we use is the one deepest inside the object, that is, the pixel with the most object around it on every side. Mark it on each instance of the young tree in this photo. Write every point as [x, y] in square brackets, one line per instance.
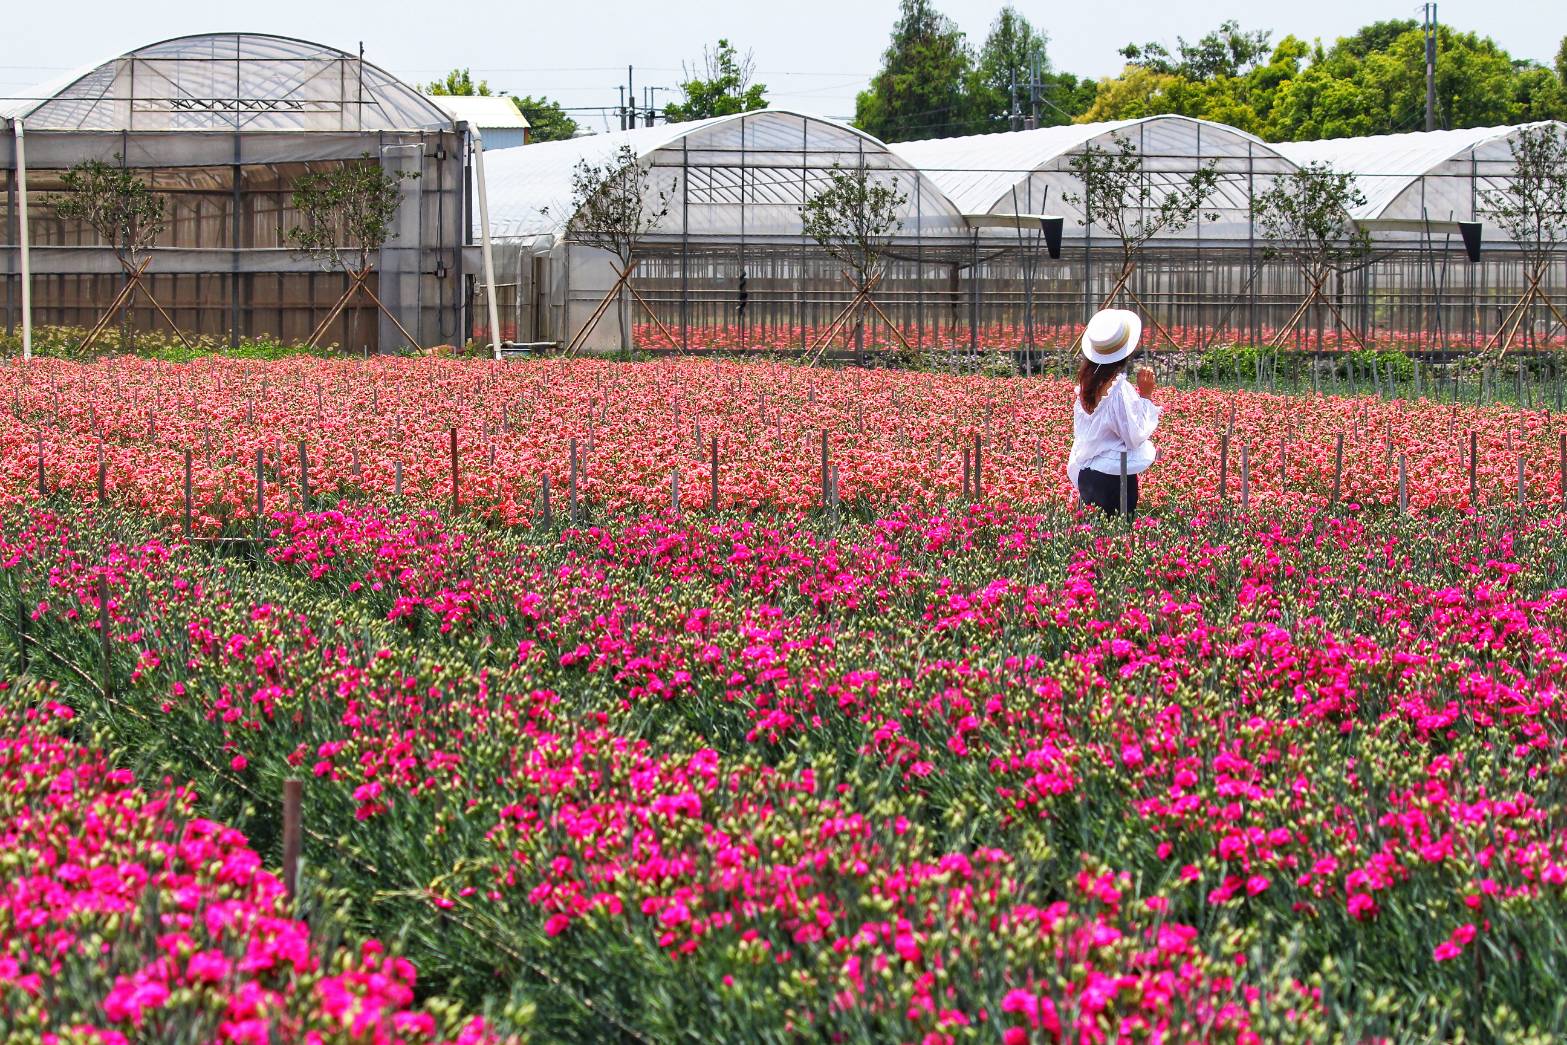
[347, 213]
[615, 205]
[921, 90]
[1009, 62]
[1532, 210]
[1120, 197]
[547, 121]
[853, 218]
[727, 88]
[1306, 216]
[126, 215]
[1226, 51]
[458, 82]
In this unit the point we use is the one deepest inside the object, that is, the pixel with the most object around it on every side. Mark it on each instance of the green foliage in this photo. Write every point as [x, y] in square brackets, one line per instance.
[1013, 55]
[726, 90]
[1228, 51]
[921, 90]
[120, 208]
[615, 205]
[458, 82]
[1529, 206]
[65, 343]
[854, 217]
[1372, 82]
[1305, 214]
[547, 121]
[1118, 196]
[347, 209]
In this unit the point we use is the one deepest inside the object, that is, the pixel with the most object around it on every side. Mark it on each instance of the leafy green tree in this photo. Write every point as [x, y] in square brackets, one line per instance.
[128, 216]
[1119, 197]
[615, 206]
[853, 219]
[458, 82]
[723, 89]
[1305, 216]
[1561, 62]
[547, 121]
[1528, 208]
[1226, 51]
[921, 90]
[347, 212]
[1013, 54]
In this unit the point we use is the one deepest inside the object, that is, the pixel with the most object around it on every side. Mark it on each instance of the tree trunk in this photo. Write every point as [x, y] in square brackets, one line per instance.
[622, 312]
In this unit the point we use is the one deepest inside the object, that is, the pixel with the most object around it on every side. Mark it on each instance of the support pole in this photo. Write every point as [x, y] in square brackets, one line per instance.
[293, 824]
[485, 251]
[24, 240]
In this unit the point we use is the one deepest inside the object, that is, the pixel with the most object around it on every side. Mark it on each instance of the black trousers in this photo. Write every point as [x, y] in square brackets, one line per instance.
[1104, 491]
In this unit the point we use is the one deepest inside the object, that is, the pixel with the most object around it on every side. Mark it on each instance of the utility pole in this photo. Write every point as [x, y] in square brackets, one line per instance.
[1033, 92]
[1430, 27]
[631, 100]
[1014, 118]
[622, 109]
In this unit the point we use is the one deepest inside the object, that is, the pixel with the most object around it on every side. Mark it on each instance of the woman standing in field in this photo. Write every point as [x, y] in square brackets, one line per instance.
[1111, 417]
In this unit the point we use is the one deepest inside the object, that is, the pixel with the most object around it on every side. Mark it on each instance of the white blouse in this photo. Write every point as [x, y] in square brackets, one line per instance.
[1123, 421]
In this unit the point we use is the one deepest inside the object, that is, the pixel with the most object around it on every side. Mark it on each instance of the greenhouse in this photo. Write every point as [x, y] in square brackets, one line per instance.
[221, 127]
[727, 263]
[1418, 190]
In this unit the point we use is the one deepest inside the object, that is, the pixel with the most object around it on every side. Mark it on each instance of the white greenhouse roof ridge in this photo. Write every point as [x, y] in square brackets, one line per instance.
[530, 189]
[228, 81]
[1385, 165]
[981, 172]
[485, 112]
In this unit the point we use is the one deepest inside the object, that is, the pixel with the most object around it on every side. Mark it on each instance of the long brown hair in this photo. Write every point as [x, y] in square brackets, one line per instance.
[1092, 380]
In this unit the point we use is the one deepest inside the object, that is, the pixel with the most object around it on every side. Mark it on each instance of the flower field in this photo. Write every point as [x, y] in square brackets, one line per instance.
[933, 768]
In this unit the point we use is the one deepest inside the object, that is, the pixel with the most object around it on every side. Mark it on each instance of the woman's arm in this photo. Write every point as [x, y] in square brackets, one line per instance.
[1134, 418]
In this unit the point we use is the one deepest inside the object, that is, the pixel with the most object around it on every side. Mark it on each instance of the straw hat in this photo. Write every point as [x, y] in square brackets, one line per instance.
[1111, 335]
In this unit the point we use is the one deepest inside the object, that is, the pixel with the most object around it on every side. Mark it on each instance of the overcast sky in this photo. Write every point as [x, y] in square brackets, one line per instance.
[814, 55]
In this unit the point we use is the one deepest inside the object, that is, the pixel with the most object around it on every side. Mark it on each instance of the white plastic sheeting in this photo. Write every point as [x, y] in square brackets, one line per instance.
[1434, 175]
[225, 82]
[1029, 172]
[730, 177]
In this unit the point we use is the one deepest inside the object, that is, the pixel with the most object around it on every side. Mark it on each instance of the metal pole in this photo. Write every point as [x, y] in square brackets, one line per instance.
[23, 240]
[485, 252]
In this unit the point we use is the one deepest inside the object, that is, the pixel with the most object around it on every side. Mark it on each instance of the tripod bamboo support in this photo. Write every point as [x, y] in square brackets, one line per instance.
[133, 283]
[1122, 286]
[1316, 294]
[862, 298]
[1516, 315]
[358, 280]
[623, 280]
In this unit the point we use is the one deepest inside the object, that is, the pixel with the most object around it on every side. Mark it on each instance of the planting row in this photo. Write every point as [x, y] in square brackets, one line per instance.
[762, 435]
[967, 774]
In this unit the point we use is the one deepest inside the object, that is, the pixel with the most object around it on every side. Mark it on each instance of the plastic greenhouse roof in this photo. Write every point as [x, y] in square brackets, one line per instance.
[229, 81]
[992, 172]
[481, 111]
[743, 175]
[1385, 165]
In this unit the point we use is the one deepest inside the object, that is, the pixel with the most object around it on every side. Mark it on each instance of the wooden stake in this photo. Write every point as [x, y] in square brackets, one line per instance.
[1224, 467]
[826, 475]
[103, 475]
[714, 502]
[1245, 478]
[1522, 493]
[1123, 485]
[304, 477]
[1338, 468]
[674, 491]
[261, 493]
[456, 499]
[979, 469]
[573, 487]
[1403, 484]
[103, 634]
[187, 495]
[544, 494]
[293, 823]
[43, 490]
[1474, 485]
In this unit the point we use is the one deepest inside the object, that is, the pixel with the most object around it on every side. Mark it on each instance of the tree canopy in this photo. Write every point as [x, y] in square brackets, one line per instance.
[547, 121]
[1371, 82]
[722, 87]
[459, 82]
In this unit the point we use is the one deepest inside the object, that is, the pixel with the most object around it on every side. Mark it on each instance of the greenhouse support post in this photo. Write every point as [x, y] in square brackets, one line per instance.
[22, 241]
[484, 243]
